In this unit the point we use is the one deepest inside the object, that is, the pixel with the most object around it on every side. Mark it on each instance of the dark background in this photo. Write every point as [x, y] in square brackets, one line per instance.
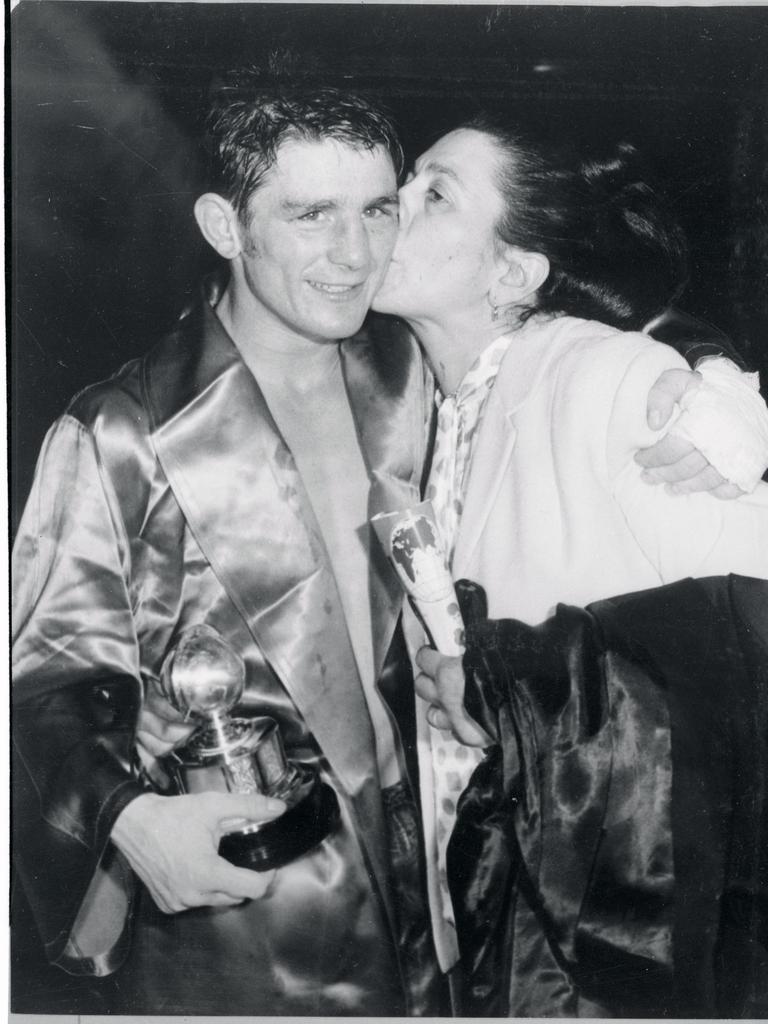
[105, 108]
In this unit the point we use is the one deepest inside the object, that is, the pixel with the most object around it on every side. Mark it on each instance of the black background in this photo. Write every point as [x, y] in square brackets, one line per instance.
[105, 109]
[106, 100]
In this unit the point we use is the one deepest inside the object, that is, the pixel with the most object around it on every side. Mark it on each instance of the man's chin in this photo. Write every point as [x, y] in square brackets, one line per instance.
[345, 326]
[381, 305]
[387, 300]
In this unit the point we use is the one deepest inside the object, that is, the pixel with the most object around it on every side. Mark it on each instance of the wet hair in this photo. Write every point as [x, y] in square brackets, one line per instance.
[246, 130]
[616, 252]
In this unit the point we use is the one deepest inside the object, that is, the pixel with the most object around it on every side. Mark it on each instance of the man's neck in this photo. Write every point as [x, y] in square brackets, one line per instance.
[269, 349]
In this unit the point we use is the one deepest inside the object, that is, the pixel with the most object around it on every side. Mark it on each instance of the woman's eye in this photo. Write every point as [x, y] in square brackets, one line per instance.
[434, 195]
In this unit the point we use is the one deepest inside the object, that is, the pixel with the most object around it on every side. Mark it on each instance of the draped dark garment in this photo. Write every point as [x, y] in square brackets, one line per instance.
[611, 852]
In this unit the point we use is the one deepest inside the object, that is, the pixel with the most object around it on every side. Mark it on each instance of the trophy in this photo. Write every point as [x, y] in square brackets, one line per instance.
[204, 677]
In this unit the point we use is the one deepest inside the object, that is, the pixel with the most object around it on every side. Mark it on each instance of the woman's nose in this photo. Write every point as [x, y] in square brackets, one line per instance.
[404, 205]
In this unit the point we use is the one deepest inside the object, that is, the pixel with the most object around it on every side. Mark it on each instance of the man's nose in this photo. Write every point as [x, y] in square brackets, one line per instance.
[350, 247]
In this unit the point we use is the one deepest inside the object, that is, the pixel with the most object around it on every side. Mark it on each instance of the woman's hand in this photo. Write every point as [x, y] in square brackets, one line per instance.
[441, 684]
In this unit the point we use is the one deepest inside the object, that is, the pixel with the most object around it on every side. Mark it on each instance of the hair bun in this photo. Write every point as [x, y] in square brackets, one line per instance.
[613, 172]
[615, 253]
[628, 216]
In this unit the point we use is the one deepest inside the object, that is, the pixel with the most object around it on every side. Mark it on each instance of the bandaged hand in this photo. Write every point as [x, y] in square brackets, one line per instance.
[719, 441]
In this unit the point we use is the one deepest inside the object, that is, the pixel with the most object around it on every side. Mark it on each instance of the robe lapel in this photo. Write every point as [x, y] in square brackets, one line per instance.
[239, 490]
[390, 395]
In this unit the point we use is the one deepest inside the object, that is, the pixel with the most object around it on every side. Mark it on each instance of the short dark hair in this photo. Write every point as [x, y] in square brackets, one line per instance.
[245, 132]
[616, 252]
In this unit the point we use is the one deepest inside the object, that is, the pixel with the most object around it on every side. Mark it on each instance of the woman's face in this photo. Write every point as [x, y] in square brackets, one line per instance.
[445, 257]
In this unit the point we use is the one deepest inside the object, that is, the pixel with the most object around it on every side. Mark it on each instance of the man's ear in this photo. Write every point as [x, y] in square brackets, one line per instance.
[219, 224]
[523, 273]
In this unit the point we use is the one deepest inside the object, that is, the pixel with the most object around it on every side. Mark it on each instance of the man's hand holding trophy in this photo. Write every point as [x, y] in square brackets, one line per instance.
[203, 679]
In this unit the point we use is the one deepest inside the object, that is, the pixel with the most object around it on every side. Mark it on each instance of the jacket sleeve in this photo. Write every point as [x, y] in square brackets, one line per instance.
[75, 699]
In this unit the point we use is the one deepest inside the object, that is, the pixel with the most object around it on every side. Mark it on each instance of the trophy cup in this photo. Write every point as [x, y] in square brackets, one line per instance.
[204, 677]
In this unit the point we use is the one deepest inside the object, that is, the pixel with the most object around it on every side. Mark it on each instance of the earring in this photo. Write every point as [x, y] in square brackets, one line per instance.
[495, 312]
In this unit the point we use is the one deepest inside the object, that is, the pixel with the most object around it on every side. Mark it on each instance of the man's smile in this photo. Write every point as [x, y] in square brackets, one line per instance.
[342, 290]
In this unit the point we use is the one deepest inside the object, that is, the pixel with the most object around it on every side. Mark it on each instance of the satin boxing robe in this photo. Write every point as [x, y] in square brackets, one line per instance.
[166, 497]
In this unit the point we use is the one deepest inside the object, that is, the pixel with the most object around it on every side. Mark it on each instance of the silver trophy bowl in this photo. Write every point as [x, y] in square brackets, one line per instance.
[203, 677]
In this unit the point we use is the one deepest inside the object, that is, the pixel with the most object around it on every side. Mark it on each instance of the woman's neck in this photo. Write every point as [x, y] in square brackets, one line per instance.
[453, 349]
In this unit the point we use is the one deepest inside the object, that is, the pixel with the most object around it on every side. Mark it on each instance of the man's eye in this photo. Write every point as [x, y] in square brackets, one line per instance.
[311, 215]
[377, 212]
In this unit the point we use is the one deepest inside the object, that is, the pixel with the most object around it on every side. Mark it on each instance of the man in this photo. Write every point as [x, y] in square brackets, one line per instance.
[227, 478]
[184, 492]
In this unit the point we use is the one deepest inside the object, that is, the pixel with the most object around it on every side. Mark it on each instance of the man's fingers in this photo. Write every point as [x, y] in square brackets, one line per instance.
[252, 807]
[727, 491]
[158, 733]
[222, 899]
[707, 480]
[674, 461]
[460, 724]
[667, 451]
[437, 717]
[158, 736]
[152, 746]
[160, 707]
[237, 884]
[667, 392]
[687, 470]
[425, 688]
[429, 660]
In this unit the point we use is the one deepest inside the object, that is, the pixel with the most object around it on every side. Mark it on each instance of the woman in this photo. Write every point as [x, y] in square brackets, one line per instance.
[526, 278]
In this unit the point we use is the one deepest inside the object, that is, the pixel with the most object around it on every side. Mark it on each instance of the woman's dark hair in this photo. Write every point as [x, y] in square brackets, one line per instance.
[616, 253]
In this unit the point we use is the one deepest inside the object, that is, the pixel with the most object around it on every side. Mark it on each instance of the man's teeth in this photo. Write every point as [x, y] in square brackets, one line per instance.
[336, 289]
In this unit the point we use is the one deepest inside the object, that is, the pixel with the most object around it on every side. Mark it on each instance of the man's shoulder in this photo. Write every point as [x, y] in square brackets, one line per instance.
[116, 395]
[388, 350]
[122, 395]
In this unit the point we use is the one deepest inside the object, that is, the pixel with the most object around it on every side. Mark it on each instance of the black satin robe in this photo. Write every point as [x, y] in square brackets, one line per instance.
[166, 497]
[610, 856]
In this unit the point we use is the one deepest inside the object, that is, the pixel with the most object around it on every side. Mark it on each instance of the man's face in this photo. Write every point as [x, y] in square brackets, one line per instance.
[320, 233]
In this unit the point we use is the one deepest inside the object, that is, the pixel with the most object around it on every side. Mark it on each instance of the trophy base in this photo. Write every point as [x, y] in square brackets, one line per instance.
[298, 830]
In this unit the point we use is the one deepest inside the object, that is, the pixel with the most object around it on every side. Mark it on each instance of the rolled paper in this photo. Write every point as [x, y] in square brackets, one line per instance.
[412, 542]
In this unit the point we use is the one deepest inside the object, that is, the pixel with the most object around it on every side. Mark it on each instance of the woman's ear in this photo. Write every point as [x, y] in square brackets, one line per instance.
[219, 224]
[523, 274]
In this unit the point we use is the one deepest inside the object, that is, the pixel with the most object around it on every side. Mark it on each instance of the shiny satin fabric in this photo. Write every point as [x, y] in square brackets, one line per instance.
[611, 853]
[149, 513]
